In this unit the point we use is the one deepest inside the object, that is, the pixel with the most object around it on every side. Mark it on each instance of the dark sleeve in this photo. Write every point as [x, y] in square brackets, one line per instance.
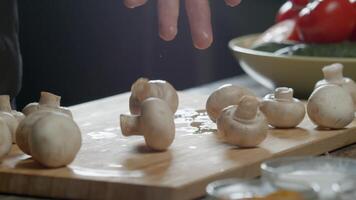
[10, 57]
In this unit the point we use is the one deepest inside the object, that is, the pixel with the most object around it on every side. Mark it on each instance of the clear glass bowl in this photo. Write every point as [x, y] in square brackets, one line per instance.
[321, 173]
[346, 189]
[239, 189]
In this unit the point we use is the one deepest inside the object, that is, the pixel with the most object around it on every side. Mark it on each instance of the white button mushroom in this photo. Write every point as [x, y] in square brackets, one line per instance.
[143, 89]
[156, 124]
[48, 101]
[5, 140]
[18, 115]
[223, 97]
[6, 115]
[11, 122]
[5, 106]
[281, 109]
[55, 140]
[330, 106]
[24, 129]
[333, 74]
[243, 125]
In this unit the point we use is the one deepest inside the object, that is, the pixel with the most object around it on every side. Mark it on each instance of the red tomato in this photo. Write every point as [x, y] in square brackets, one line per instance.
[353, 36]
[294, 36]
[300, 2]
[326, 21]
[290, 9]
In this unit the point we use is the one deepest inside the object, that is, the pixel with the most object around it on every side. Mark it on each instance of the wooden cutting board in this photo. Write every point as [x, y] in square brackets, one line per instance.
[110, 166]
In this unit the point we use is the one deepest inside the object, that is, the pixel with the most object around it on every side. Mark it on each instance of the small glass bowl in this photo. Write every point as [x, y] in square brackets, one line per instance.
[239, 189]
[346, 189]
[321, 173]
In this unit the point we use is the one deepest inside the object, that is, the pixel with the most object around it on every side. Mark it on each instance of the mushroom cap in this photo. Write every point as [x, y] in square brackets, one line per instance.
[11, 122]
[62, 110]
[285, 112]
[223, 97]
[5, 139]
[157, 123]
[34, 107]
[30, 108]
[48, 101]
[143, 89]
[244, 133]
[55, 140]
[330, 106]
[24, 129]
[66, 111]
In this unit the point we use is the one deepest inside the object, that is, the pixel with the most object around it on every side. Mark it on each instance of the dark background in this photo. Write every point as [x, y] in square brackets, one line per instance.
[89, 49]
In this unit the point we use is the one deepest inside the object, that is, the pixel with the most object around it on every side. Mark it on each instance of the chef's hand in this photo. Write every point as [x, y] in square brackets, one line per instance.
[198, 12]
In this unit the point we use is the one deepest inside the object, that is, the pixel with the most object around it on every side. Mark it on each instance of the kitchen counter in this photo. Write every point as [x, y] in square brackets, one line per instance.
[348, 151]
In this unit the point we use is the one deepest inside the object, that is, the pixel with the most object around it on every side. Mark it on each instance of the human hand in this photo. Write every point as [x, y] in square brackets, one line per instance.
[198, 12]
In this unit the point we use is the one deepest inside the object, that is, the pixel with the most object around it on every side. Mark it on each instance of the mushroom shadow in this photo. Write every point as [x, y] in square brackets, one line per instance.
[242, 154]
[322, 129]
[291, 133]
[29, 163]
[150, 163]
[144, 149]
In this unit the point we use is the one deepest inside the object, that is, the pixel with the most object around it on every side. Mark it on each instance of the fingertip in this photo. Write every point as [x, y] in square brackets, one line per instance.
[168, 34]
[203, 42]
[134, 3]
[233, 3]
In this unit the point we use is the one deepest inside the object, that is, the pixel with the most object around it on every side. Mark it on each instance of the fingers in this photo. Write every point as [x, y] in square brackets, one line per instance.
[199, 16]
[168, 11]
[233, 3]
[134, 3]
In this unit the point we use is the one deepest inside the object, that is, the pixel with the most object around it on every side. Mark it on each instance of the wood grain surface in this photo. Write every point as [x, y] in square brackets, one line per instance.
[110, 166]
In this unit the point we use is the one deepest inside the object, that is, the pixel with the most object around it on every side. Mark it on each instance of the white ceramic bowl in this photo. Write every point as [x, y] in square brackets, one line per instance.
[297, 72]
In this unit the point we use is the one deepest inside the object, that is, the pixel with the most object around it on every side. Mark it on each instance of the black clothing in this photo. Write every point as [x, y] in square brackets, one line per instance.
[10, 57]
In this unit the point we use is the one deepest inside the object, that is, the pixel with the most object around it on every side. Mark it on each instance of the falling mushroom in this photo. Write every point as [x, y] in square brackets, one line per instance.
[156, 124]
[144, 88]
[281, 109]
[225, 96]
[243, 124]
[330, 106]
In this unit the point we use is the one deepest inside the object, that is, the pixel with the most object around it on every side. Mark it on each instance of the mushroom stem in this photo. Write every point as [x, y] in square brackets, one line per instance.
[247, 108]
[50, 99]
[283, 93]
[333, 72]
[5, 103]
[130, 125]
